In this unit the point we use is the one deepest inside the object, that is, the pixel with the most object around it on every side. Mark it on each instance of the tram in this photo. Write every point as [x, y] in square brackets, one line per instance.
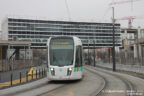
[65, 58]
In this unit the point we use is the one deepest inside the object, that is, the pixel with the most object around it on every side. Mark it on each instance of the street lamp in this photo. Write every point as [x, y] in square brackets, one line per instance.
[94, 53]
[88, 53]
[113, 49]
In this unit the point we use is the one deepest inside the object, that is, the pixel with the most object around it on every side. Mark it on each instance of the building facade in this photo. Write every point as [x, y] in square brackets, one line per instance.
[132, 48]
[38, 31]
[129, 36]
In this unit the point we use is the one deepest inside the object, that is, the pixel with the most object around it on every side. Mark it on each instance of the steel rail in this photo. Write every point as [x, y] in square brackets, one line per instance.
[129, 85]
[103, 84]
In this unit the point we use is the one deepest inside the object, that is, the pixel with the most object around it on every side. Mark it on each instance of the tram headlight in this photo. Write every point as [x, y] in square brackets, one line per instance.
[69, 71]
[52, 71]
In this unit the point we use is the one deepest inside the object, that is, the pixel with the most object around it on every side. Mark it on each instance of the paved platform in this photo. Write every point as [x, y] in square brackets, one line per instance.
[26, 75]
[6, 76]
[18, 81]
[27, 86]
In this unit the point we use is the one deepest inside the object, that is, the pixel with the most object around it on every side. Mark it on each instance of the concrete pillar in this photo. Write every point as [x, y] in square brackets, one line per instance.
[8, 52]
[4, 52]
[29, 52]
[125, 31]
[117, 49]
[17, 53]
[8, 57]
[139, 33]
[140, 50]
[24, 57]
[1, 52]
[135, 51]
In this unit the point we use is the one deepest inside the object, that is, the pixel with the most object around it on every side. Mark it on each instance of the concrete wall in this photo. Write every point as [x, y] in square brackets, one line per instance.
[5, 29]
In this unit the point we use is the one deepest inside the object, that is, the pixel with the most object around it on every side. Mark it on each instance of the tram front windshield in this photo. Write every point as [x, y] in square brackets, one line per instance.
[61, 51]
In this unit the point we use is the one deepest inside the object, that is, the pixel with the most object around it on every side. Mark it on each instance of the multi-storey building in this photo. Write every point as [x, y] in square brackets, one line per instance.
[133, 45]
[133, 40]
[38, 31]
[128, 38]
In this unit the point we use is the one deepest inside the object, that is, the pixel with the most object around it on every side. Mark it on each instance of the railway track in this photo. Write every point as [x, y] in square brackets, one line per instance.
[103, 84]
[96, 82]
[57, 88]
[42, 85]
[71, 86]
[129, 86]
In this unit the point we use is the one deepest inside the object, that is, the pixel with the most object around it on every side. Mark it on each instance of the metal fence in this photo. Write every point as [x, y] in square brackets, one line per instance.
[37, 58]
[104, 56]
[22, 77]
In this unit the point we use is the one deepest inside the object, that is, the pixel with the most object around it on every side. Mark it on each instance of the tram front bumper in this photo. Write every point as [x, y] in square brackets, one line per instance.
[63, 78]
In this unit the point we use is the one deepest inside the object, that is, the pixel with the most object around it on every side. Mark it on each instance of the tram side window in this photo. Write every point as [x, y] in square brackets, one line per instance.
[78, 62]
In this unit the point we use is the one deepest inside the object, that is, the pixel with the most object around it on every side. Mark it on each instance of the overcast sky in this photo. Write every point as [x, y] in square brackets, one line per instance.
[79, 10]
